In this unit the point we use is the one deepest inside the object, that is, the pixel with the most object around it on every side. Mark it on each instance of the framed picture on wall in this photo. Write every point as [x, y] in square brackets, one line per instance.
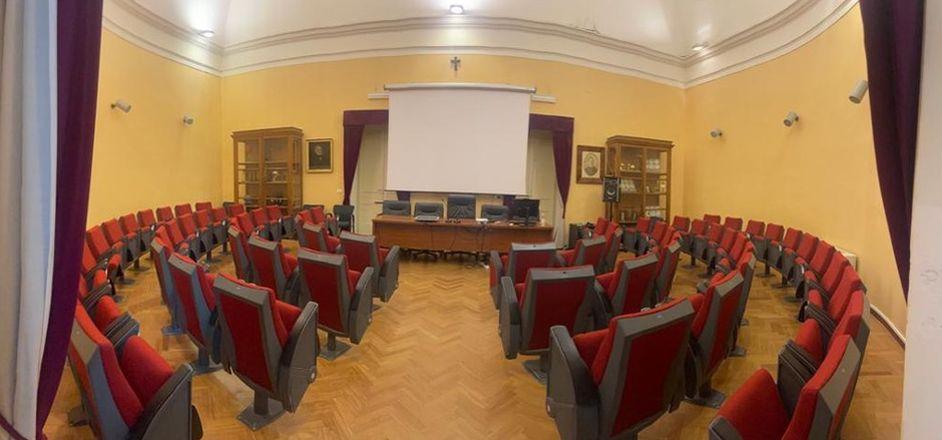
[590, 164]
[320, 155]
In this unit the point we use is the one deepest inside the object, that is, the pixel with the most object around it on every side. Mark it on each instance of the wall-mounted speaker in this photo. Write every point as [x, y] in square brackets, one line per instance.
[610, 190]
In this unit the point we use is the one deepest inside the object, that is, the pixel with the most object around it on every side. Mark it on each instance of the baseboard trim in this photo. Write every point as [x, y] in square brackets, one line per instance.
[894, 331]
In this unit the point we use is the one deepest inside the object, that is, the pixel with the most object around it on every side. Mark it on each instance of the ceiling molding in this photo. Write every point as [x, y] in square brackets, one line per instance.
[777, 35]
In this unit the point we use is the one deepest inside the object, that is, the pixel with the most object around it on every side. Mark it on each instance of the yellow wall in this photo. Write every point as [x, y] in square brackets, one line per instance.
[819, 176]
[313, 97]
[148, 157]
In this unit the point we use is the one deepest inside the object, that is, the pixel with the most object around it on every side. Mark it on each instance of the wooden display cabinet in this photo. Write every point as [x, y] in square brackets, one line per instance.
[644, 168]
[268, 168]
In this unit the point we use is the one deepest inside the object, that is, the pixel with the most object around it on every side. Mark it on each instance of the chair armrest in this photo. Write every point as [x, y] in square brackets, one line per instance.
[392, 259]
[795, 369]
[298, 364]
[572, 398]
[509, 318]
[816, 313]
[169, 414]
[361, 306]
[91, 300]
[753, 411]
[122, 328]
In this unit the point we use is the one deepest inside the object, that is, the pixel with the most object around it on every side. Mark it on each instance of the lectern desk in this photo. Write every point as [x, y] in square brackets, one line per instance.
[463, 236]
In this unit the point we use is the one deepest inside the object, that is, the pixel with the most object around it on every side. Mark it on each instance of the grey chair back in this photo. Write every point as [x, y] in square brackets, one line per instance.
[461, 206]
[426, 208]
[397, 207]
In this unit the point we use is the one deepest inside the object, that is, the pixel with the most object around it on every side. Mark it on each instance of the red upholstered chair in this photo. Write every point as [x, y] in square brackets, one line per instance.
[746, 266]
[588, 251]
[302, 218]
[697, 227]
[246, 225]
[220, 226]
[790, 256]
[681, 224]
[761, 409]
[160, 253]
[202, 238]
[549, 297]
[629, 287]
[614, 382]
[183, 209]
[203, 206]
[171, 234]
[653, 239]
[129, 225]
[314, 236]
[814, 340]
[362, 252]
[263, 225]
[711, 218]
[281, 224]
[115, 324]
[274, 268]
[733, 223]
[773, 233]
[147, 219]
[712, 336]
[613, 240]
[91, 291]
[104, 251]
[829, 307]
[93, 268]
[344, 297]
[776, 249]
[600, 226]
[198, 302]
[517, 264]
[240, 253]
[726, 258]
[634, 235]
[164, 214]
[131, 392]
[668, 258]
[818, 264]
[130, 243]
[713, 234]
[826, 282]
[270, 345]
[207, 228]
[755, 228]
[234, 209]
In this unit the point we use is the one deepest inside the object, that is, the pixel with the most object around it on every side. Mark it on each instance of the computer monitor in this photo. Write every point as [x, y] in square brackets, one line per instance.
[526, 211]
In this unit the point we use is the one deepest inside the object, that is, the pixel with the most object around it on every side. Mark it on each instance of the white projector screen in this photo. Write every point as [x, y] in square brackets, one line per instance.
[462, 140]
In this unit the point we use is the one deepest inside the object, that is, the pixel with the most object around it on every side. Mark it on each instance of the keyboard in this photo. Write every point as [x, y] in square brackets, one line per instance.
[427, 218]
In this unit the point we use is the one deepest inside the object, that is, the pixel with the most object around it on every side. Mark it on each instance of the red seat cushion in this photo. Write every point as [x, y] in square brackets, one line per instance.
[814, 297]
[106, 311]
[588, 345]
[809, 339]
[353, 277]
[289, 315]
[521, 291]
[568, 256]
[145, 370]
[755, 409]
[381, 254]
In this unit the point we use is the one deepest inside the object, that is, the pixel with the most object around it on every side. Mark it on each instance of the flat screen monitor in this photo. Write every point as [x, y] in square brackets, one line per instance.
[526, 211]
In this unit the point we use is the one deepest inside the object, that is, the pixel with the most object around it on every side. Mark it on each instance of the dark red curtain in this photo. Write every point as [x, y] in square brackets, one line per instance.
[562, 128]
[79, 43]
[893, 40]
[354, 122]
[404, 196]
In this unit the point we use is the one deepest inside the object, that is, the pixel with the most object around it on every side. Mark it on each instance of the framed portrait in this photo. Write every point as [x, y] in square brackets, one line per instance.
[590, 164]
[320, 155]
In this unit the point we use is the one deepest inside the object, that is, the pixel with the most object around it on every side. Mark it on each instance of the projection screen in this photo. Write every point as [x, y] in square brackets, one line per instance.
[458, 138]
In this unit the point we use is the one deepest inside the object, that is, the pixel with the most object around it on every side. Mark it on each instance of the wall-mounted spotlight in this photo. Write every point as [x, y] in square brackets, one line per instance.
[207, 33]
[188, 119]
[790, 119]
[456, 9]
[859, 91]
[121, 105]
[716, 132]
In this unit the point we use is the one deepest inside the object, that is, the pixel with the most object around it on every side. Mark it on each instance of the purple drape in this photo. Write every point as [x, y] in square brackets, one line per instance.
[79, 42]
[562, 128]
[404, 196]
[893, 40]
[354, 121]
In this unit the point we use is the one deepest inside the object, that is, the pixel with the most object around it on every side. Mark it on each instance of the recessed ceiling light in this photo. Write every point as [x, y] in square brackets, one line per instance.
[207, 33]
[699, 46]
[456, 9]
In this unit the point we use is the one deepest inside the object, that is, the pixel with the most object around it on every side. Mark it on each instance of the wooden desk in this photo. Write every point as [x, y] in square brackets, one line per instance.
[465, 236]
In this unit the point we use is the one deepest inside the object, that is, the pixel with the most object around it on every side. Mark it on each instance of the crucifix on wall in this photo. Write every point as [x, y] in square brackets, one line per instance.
[455, 64]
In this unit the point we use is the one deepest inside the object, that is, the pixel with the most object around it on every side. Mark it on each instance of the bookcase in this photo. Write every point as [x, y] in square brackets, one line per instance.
[643, 167]
[268, 168]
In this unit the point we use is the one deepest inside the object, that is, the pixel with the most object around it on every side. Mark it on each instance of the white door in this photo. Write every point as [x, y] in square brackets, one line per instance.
[370, 180]
[541, 180]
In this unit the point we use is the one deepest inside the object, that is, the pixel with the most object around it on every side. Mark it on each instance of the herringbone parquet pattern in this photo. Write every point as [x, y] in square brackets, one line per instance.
[431, 366]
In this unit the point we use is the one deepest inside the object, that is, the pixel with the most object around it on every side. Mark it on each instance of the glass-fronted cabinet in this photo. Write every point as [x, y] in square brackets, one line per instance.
[268, 168]
[643, 166]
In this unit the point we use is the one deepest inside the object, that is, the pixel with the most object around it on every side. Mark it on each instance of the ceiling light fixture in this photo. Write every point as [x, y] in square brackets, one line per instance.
[699, 46]
[456, 9]
[208, 33]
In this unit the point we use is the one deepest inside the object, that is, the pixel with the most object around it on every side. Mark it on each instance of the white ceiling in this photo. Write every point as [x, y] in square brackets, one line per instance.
[669, 26]
[652, 39]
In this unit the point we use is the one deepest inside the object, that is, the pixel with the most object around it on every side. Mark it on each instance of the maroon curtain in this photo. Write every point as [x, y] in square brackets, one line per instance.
[79, 42]
[354, 121]
[404, 196]
[508, 200]
[893, 40]
[562, 128]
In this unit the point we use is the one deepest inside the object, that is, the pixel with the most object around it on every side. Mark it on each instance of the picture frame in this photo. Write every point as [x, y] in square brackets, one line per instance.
[590, 164]
[320, 155]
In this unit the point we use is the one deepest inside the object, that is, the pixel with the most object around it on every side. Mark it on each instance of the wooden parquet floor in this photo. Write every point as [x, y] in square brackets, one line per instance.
[431, 367]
